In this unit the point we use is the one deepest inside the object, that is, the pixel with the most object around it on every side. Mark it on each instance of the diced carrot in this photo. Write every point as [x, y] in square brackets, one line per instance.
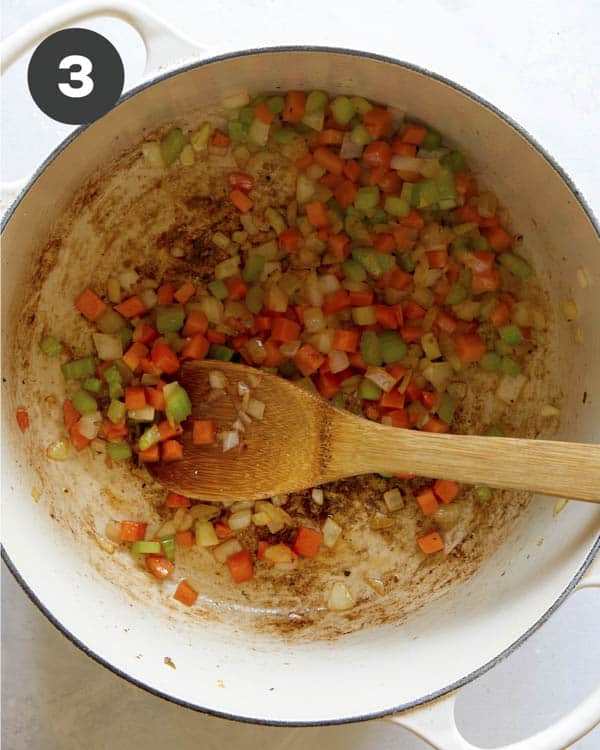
[440, 290]
[203, 432]
[308, 359]
[411, 334]
[330, 180]
[215, 337]
[134, 355]
[445, 490]
[177, 501]
[386, 317]
[316, 212]
[222, 530]
[151, 455]
[427, 501]
[377, 121]
[185, 538]
[414, 311]
[470, 347]
[389, 181]
[485, 282]
[489, 221]
[165, 358]
[262, 547]
[345, 193]
[445, 322]
[196, 347]
[70, 414]
[435, 424]
[346, 341]
[185, 292]
[430, 543]
[219, 138]
[90, 305]
[290, 240]
[79, 441]
[428, 399]
[384, 243]
[500, 315]
[403, 149]
[392, 400]
[399, 418]
[185, 593]
[437, 258]
[159, 566]
[285, 330]
[240, 566]
[339, 244]
[499, 239]
[165, 294]
[148, 367]
[397, 279]
[414, 134]
[294, 107]
[352, 170]
[144, 334]
[274, 356]
[357, 361]
[329, 160]
[327, 385]
[168, 430]
[412, 391]
[403, 238]
[336, 301]
[114, 433]
[131, 308]
[23, 419]
[135, 397]
[241, 181]
[307, 542]
[400, 475]
[330, 137]
[464, 183]
[361, 299]
[304, 161]
[413, 220]
[195, 322]
[241, 201]
[263, 323]
[132, 531]
[263, 113]
[172, 450]
[377, 154]
[397, 371]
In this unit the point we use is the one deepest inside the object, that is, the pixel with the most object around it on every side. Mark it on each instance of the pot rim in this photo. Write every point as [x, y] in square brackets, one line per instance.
[561, 597]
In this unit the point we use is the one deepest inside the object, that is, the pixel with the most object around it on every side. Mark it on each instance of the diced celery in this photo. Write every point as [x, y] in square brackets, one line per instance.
[392, 347]
[315, 102]
[276, 104]
[287, 369]
[342, 110]
[78, 369]
[115, 390]
[168, 547]
[254, 299]
[112, 375]
[367, 257]
[171, 145]
[253, 268]
[377, 215]
[369, 391]
[259, 132]
[354, 270]
[116, 411]
[366, 198]
[510, 366]
[126, 335]
[446, 190]
[385, 475]
[490, 362]
[502, 347]
[218, 289]
[200, 138]
[354, 225]
[455, 161]
[51, 346]
[370, 348]
[456, 294]
[432, 140]
[238, 132]
[361, 105]
[446, 408]
[360, 135]
[169, 318]
[283, 135]
[480, 244]
[177, 403]
[119, 451]
[276, 220]
[384, 261]
[84, 402]
[246, 115]
[339, 401]
[465, 277]
[407, 262]
[483, 493]
[364, 316]
[146, 548]
[397, 206]
[149, 437]
[488, 304]
[220, 352]
[425, 194]
[430, 345]
[406, 192]
[92, 384]
[515, 264]
[511, 334]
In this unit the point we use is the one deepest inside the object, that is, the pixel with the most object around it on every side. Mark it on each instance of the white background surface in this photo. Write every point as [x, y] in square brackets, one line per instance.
[537, 61]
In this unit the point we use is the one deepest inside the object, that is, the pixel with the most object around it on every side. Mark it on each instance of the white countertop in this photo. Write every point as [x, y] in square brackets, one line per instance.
[539, 62]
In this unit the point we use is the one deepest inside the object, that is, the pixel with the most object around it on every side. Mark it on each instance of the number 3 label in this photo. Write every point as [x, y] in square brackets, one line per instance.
[81, 76]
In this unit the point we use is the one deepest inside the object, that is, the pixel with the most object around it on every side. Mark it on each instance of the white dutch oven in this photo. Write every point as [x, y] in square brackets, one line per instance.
[395, 671]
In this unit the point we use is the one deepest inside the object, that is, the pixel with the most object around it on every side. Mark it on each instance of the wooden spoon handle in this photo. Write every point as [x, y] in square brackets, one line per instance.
[570, 470]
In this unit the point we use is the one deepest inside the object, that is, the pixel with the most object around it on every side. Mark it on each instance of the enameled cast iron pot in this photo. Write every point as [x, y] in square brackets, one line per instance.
[383, 672]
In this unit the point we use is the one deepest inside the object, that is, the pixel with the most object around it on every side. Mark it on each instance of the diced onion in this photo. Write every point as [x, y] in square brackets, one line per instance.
[236, 101]
[509, 389]
[350, 149]
[406, 163]
[569, 309]
[204, 512]
[380, 521]
[438, 374]
[377, 585]
[109, 346]
[148, 297]
[240, 520]
[231, 439]
[128, 279]
[315, 171]
[305, 189]
[328, 283]
[317, 496]
[221, 240]
[89, 424]
[225, 550]
[110, 321]
[549, 411]
[381, 378]
[323, 341]
[247, 222]
[279, 553]
[142, 415]
[340, 598]
[238, 425]
[58, 451]
[290, 348]
[430, 346]
[212, 308]
[338, 361]
[276, 299]
[228, 267]
[331, 532]
[393, 500]
[314, 320]
[279, 500]
[487, 204]
[152, 154]
[150, 379]
[559, 506]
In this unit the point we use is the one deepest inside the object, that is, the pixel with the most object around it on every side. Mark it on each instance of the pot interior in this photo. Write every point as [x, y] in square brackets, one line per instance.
[96, 204]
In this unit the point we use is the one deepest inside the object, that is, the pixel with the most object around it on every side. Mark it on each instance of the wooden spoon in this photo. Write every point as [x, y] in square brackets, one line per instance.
[303, 442]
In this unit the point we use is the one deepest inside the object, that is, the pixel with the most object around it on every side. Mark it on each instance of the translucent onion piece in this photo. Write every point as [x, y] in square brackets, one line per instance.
[340, 598]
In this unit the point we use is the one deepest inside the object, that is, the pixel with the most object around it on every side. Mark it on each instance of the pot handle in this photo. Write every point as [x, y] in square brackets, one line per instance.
[164, 45]
[434, 722]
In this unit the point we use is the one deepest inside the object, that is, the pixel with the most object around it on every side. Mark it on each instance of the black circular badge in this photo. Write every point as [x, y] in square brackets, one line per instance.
[75, 76]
